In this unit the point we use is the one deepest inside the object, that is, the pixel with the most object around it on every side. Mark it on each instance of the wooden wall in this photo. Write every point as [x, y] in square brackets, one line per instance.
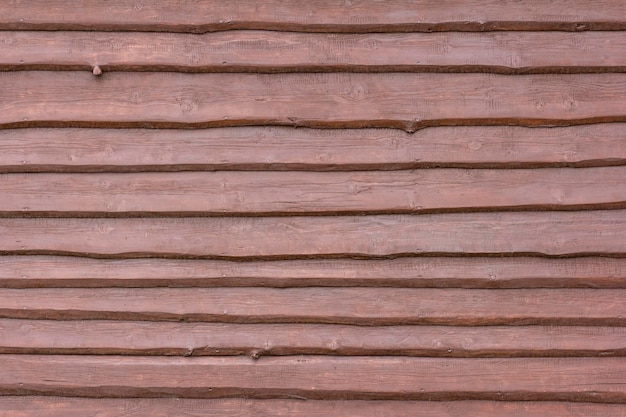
[320, 208]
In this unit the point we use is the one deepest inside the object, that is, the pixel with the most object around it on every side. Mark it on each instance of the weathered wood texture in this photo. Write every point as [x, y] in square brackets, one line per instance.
[283, 148]
[256, 193]
[578, 379]
[257, 51]
[407, 101]
[185, 407]
[318, 15]
[364, 306]
[449, 208]
[444, 272]
[539, 233]
[200, 339]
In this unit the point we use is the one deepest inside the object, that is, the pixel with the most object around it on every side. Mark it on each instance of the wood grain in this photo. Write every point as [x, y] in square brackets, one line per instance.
[200, 339]
[282, 193]
[269, 52]
[185, 407]
[285, 148]
[539, 233]
[397, 100]
[569, 379]
[317, 15]
[362, 306]
[460, 272]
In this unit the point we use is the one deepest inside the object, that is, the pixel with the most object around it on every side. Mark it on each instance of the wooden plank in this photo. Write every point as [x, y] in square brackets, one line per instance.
[522, 233]
[461, 272]
[283, 193]
[362, 306]
[259, 51]
[314, 377]
[185, 407]
[200, 339]
[337, 100]
[285, 148]
[317, 15]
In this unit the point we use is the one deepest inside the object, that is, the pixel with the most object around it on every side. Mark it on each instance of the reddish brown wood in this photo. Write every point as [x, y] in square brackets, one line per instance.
[464, 272]
[200, 339]
[259, 51]
[185, 407]
[366, 306]
[569, 379]
[282, 148]
[406, 101]
[317, 15]
[217, 193]
[542, 233]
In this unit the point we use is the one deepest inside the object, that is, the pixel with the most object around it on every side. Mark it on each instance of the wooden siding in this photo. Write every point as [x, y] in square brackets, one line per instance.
[399, 208]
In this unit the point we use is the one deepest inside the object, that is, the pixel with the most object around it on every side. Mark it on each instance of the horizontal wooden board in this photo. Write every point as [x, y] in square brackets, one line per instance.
[317, 15]
[463, 272]
[509, 272]
[186, 407]
[258, 51]
[200, 339]
[363, 306]
[540, 233]
[568, 379]
[397, 100]
[286, 148]
[284, 193]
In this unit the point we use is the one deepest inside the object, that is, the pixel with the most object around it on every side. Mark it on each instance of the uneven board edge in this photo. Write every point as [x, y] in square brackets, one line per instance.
[27, 168]
[456, 26]
[277, 393]
[487, 283]
[323, 68]
[256, 353]
[49, 314]
[408, 126]
[72, 406]
[615, 205]
[320, 256]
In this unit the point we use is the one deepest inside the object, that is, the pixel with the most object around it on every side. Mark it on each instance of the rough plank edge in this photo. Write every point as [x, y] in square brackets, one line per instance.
[296, 407]
[48, 314]
[321, 68]
[97, 214]
[304, 167]
[426, 27]
[409, 126]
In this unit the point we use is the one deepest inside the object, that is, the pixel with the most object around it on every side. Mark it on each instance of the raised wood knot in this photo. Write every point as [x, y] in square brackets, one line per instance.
[96, 70]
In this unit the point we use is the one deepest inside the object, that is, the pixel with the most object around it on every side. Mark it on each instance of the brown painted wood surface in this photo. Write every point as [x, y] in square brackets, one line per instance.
[257, 193]
[364, 306]
[399, 100]
[317, 15]
[317, 201]
[185, 407]
[441, 272]
[580, 379]
[209, 339]
[285, 148]
[536, 233]
[259, 51]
